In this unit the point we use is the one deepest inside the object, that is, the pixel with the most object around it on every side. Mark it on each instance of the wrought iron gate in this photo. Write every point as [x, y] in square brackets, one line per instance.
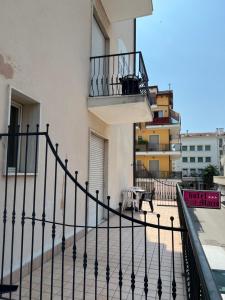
[45, 212]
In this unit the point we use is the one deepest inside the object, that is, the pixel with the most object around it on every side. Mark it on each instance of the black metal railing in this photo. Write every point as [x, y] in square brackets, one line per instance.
[164, 184]
[162, 121]
[144, 146]
[200, 283]
[119, 74]
[44, 212]
[143, 173]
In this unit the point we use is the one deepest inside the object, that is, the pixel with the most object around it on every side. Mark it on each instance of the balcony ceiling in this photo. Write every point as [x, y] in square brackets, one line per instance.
[121, 109]
[172, 154]
[118, 10]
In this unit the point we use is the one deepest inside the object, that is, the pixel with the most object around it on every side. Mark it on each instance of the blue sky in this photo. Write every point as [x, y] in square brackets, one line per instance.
[183, 43]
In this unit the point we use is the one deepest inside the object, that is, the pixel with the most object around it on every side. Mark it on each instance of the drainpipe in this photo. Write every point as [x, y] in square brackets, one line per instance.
[134, 126]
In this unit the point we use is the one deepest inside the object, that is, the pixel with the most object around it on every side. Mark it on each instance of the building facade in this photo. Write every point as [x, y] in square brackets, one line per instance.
[200, 150]
[220, 180]
[62, 63]
[158, 142]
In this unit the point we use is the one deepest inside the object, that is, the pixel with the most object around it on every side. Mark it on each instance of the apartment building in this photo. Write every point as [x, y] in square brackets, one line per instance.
[158, 141]
[69, 64]
[220, 180]
[200, 150]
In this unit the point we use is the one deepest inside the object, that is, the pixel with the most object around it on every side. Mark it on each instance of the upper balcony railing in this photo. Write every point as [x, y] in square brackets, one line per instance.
[119, 74]
[148, 147]
[173, 118]
[141, 172]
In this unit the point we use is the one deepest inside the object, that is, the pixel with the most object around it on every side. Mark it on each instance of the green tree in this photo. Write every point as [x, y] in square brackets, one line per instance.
[208, 174]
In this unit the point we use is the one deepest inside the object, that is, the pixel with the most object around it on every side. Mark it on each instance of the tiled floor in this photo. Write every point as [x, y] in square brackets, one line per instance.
[139, 262]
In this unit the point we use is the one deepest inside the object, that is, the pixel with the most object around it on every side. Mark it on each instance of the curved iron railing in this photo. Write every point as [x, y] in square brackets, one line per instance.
[119, 74]
[164, 184]
[54, 210]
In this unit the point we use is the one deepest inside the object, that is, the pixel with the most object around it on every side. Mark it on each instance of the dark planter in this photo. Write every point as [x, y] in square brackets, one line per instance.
[130, 85]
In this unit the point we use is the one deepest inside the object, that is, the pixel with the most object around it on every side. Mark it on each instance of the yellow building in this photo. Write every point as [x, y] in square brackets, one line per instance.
[158, 142]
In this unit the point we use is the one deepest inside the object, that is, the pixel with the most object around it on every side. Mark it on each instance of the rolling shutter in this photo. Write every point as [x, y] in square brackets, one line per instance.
[96, 174]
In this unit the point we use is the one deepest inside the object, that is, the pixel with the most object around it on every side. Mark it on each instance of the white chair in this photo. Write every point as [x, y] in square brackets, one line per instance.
[129, 199]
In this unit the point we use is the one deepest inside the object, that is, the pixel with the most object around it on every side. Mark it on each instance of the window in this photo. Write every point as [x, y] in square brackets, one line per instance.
[220, 142]
[199, 147]
[200, 159]
[158, 114]
[192, 148]
[139, 138]
[221, 152]
[184, 172]
[184, 159]
[23, 111]
[192, 159]
[184, 148]
[200, 171]
[208, 159]
[207, 147]
[14, 143]
[193, 172]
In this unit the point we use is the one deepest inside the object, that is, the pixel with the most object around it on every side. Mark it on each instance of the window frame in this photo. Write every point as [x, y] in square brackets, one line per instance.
[210, 160]
[193, 171]
[26, 99]
[199, 160]
[184, 160]
[192, 157]
[11, 170]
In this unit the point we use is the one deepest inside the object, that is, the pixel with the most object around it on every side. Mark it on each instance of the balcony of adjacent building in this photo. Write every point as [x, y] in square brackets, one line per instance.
[143, 147]
[144, 173]
[119, 91]
[171, 121]
[220, 180]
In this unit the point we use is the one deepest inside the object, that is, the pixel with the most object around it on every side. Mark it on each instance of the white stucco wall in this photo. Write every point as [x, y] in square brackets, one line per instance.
[45, 48]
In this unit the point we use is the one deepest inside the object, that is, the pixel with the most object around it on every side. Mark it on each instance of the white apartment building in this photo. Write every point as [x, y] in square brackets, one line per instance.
[220, 180]
[200, 150]
[62, 63]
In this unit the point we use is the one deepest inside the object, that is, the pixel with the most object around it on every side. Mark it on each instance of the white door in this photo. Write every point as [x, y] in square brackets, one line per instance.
[99, 72]
[96, 176]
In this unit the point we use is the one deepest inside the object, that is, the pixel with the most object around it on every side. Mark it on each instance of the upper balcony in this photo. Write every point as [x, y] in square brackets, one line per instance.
[119, 91]
[145, 148]
[173, 120]
[118, 10]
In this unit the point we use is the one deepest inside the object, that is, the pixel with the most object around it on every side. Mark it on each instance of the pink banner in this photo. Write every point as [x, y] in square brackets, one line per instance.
[202, 199]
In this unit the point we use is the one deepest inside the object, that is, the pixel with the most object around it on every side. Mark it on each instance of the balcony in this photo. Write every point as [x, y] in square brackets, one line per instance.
[117, 10]
[144, 173]
[144, 148]
[173, 120]
[52, 250]
[119, 91]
